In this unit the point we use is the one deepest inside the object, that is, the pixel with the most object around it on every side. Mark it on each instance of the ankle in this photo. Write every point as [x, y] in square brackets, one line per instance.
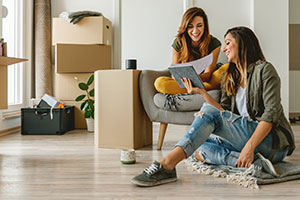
[170, 161]
[167, 165]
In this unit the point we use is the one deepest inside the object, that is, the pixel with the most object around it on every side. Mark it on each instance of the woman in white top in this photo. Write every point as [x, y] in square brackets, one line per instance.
[249, 123]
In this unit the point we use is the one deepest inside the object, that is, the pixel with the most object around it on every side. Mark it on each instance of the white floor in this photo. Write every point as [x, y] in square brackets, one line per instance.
[69, 167]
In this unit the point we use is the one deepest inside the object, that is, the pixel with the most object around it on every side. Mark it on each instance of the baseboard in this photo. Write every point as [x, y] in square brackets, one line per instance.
[10, 130]
[294, 114]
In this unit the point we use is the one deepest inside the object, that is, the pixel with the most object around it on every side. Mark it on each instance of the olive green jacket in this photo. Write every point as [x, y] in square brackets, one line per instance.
[264, 103]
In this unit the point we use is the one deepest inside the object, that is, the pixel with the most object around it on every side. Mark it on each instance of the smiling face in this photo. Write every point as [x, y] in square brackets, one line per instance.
[231, 48]
[195, 29]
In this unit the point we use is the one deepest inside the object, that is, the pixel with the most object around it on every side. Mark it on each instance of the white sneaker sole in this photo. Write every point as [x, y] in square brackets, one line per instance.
[269, 165]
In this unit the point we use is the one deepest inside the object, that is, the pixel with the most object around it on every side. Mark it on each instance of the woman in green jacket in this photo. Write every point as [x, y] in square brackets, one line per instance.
[249, 124]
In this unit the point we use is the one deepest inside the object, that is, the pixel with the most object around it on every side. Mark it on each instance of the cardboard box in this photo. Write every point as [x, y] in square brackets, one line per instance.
[66, 87]
[89, 30]
[4, 63]
[120, 119]
[74, 58]
[79, 120]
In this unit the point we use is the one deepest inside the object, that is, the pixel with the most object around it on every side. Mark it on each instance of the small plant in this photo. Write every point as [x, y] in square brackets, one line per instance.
[88, 102]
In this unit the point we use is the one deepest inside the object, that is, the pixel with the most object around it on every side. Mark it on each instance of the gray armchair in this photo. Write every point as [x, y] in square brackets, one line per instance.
[159, 113]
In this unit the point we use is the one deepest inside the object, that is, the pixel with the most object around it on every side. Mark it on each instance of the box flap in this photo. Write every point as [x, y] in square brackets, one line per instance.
[4, 61]
[89, 30]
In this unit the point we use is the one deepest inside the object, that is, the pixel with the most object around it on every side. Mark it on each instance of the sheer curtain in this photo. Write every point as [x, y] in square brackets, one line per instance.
[42, 43]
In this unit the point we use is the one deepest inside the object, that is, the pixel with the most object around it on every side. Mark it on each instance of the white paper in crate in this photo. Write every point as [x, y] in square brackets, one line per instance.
[51, 101]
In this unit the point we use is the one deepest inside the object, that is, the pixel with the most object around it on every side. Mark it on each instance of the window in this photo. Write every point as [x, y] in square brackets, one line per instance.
[12, 32]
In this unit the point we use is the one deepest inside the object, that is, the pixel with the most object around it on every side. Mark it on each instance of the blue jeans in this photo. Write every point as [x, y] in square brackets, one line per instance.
[231, 134]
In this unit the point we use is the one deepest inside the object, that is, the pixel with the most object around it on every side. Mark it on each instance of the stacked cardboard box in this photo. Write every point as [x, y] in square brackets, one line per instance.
[80, 50]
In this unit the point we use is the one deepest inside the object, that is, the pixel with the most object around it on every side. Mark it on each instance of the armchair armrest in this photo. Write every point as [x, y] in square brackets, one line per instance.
[147, 90]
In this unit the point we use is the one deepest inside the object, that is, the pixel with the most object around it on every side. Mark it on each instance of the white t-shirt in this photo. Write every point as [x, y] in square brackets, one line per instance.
[240, 100]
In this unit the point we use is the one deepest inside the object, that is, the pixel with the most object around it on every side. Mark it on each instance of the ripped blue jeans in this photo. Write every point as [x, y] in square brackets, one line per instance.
[230, 134]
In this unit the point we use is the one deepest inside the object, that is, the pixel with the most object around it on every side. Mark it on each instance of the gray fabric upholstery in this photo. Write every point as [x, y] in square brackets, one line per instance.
[156, 114]
[183, 102]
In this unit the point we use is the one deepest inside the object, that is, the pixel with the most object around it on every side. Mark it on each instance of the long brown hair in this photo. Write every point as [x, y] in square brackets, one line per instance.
[184, 38]
[249, 52]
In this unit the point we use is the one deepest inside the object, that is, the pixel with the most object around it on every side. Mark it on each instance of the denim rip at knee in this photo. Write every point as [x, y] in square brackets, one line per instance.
[234, 128]
[217, 150]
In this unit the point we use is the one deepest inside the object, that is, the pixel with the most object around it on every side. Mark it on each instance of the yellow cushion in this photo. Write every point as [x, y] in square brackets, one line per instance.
[169, 85]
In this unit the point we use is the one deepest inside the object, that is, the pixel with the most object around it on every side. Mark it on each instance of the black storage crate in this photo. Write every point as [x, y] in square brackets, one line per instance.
[44, 121]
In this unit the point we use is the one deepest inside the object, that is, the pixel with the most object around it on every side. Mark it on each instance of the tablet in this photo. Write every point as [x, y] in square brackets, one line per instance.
[189, 72]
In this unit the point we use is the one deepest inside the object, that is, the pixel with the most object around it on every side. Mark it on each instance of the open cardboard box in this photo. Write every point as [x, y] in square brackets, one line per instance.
[89, 30]
[4, 63]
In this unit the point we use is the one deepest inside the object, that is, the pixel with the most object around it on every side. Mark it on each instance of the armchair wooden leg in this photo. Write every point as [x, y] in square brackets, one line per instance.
[162, 132]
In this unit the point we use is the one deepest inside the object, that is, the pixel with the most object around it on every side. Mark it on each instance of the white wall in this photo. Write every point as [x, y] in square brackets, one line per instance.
[1, 19]
[294, 18]
[148, 30]
[227, 14]
[272, 27]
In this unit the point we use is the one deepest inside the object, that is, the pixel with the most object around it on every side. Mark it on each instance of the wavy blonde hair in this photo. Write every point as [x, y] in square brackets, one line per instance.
[184, 38]
[249, 52]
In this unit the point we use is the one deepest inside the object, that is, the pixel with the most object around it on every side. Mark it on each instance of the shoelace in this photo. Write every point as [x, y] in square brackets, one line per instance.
[171, 101]
[151, 169]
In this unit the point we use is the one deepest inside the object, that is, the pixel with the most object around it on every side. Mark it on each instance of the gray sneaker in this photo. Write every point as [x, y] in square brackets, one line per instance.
[155, 174]
[265, 164]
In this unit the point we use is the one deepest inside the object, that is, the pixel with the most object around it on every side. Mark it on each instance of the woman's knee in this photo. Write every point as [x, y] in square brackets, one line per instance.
[161, 83]
[208, 109]
[168, 85]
